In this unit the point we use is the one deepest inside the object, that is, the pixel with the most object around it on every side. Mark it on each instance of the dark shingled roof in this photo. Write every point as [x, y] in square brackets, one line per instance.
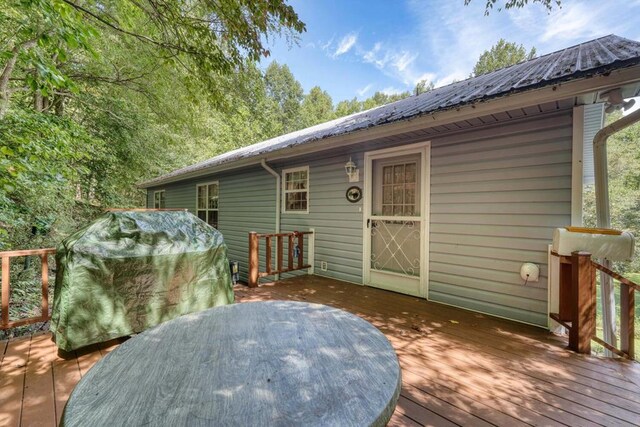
[596, 57]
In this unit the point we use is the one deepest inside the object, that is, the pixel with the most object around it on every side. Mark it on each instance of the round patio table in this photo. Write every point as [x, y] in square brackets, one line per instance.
[261, 363]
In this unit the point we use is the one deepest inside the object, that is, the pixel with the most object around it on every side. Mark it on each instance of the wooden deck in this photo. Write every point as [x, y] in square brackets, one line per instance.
[458, 367]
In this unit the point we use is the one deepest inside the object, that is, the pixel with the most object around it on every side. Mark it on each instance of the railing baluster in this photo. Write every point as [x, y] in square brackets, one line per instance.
[253, 259]
[5, 290]
[627, 319]
[583, 324]
[291, 251]
[280, 252]
[45, 286]
[267, 242]
[300, 251]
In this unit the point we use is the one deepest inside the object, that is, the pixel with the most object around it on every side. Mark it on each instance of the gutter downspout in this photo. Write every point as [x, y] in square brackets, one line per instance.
[603, 216]
[276, 175]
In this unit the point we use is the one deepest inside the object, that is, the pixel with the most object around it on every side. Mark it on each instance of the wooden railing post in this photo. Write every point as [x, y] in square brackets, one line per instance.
[5, 291]
[627, 319]
[280, 252]
[295, 248]
[291, 245]
[300, 250]
[5, 321]
[253, 259]
[583, 298]
[45, 285]
[267, 245]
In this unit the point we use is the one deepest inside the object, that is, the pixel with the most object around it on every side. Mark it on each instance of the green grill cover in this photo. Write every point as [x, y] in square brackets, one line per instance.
[128, 271]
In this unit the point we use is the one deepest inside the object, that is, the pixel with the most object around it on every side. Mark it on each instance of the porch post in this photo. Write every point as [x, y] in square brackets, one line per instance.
[253, 259]
[583, 295]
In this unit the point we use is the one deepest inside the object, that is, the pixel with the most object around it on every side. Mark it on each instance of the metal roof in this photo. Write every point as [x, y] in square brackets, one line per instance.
[595, 57]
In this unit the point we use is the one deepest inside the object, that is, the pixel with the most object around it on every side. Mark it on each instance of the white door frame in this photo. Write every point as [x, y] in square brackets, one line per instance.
[424, 149]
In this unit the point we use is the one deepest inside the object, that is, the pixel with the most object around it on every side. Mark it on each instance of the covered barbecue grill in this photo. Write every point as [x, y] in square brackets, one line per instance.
[130, 270]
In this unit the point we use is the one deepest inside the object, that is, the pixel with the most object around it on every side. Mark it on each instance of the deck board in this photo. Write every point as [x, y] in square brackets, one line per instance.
[459, 367]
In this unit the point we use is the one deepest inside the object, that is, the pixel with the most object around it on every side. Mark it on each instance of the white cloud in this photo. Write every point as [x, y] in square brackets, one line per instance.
[393, 62]
[327, 45]
[404, 60]
[450, 78]
[346, 44]
[391, 90]
[574, 21]
[363, 91]
[430, 77]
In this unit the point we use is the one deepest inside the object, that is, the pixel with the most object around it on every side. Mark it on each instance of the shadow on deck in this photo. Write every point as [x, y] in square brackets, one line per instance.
[458, 367]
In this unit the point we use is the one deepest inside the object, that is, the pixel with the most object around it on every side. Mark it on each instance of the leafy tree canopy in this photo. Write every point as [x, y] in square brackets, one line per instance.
[502, 54]
[516, 4]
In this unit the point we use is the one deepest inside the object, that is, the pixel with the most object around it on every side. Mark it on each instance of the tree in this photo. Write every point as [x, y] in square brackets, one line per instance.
[96, 96]
[208, 38]
[623, 159]
[423, 86]
[287, 94]
[381, 98]
[347, 107]
[317, 107]
[502, 54]
[517, 4]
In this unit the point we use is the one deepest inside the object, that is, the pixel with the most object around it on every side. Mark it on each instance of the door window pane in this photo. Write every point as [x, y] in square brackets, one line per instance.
[397, 191]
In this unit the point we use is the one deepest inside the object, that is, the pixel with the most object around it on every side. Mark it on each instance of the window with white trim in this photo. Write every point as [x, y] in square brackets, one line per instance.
[207, 203]
[295, 183]
[158, 199]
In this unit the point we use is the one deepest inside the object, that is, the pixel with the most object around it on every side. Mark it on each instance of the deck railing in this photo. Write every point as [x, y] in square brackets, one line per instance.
[295, 254]
[5, 321]
[577, 304]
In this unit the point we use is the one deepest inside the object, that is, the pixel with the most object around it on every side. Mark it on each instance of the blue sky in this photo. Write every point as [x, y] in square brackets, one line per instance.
[353, 48]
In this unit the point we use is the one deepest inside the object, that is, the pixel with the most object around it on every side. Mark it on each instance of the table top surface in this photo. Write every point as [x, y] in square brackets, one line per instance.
[261, 363]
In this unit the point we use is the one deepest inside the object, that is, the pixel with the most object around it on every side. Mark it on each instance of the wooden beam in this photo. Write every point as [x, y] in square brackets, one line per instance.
[616, 276]
[5, 290]
[45, 286]
[556, 317]
[290, 251]
[254, 259]
[610, 347]
[268, 248]
[28, 252]
[627, 319]
[301, 251]
[583, 293]
[280, 252]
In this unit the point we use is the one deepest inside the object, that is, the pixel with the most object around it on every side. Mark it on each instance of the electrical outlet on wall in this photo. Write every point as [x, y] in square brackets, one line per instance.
[323, 265]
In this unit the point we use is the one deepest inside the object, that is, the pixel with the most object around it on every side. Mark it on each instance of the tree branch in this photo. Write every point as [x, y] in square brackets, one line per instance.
[129, 33]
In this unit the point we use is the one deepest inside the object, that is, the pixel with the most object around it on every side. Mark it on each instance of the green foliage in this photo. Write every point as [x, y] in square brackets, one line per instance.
[517, 4]
[287, 94]
[423, 86]
[502, 54]
[346, 107]
[623, 158]
[97, 96]
[41, 158]
[317, 107]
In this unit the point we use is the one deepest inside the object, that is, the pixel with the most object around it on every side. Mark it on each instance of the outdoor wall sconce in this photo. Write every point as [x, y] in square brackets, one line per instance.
[352, 171]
